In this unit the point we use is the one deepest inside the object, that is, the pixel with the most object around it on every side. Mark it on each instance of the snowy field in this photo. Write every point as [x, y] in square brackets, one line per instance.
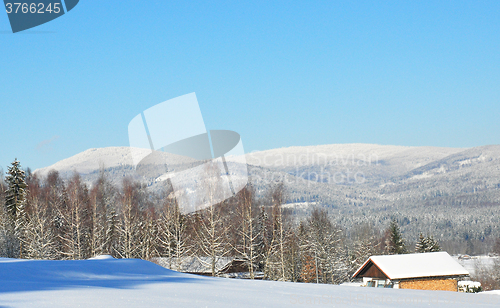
[108, 282]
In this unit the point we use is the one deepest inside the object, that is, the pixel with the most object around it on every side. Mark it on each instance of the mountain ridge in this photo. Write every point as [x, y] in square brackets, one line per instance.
[453, 193]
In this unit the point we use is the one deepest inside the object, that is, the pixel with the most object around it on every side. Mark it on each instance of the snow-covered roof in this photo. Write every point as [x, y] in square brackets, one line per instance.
[416, 265]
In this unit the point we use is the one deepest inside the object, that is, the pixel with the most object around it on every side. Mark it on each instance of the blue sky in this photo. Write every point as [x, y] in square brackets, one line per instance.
[280, 73]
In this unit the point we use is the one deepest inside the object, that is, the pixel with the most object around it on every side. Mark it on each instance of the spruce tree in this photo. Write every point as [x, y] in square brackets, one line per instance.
[432, 244]
[15, 202]
[395, 243]
[427, 244]
[421, 245]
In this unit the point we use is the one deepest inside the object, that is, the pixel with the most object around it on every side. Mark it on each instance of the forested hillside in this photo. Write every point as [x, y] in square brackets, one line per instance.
[451, 193]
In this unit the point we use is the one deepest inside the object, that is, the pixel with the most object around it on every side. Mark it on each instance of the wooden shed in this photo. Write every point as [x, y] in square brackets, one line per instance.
[422, 271]
[224, 267]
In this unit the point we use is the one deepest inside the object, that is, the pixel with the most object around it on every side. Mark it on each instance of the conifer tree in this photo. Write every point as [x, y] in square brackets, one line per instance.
[421, 245]
[432, 244]
[427, 244]
[395, 243]
[15, 202]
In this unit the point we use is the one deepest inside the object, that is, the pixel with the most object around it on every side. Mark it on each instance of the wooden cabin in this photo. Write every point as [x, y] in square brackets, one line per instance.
[228, 267]
[422, 271]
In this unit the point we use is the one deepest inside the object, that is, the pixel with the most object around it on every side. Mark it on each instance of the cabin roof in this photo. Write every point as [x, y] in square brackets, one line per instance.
[416, 265]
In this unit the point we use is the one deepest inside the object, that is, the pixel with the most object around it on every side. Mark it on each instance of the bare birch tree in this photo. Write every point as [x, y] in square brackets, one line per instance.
[249, 233]
[210, 226]
[129, 230]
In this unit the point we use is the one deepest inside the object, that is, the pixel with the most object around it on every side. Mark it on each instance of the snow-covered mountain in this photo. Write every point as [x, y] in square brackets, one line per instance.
[452, 192]
[94, 159]
[347, 154]
[117, 163]
[346, 174]
[375, 160]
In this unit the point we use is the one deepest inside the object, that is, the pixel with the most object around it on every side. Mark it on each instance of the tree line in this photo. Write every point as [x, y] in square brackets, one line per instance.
[52, 218]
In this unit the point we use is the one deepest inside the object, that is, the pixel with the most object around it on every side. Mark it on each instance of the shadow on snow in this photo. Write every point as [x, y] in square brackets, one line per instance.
[36, 275]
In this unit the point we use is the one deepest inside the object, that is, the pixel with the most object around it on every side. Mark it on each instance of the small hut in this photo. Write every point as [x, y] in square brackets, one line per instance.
[422, 271]
[228, 267]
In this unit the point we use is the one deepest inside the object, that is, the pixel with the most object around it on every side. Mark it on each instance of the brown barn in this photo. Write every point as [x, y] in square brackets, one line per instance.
[422, 271]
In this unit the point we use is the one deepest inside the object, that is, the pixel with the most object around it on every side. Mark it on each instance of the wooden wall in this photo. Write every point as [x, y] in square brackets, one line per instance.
[441, 284]
[372, 271]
